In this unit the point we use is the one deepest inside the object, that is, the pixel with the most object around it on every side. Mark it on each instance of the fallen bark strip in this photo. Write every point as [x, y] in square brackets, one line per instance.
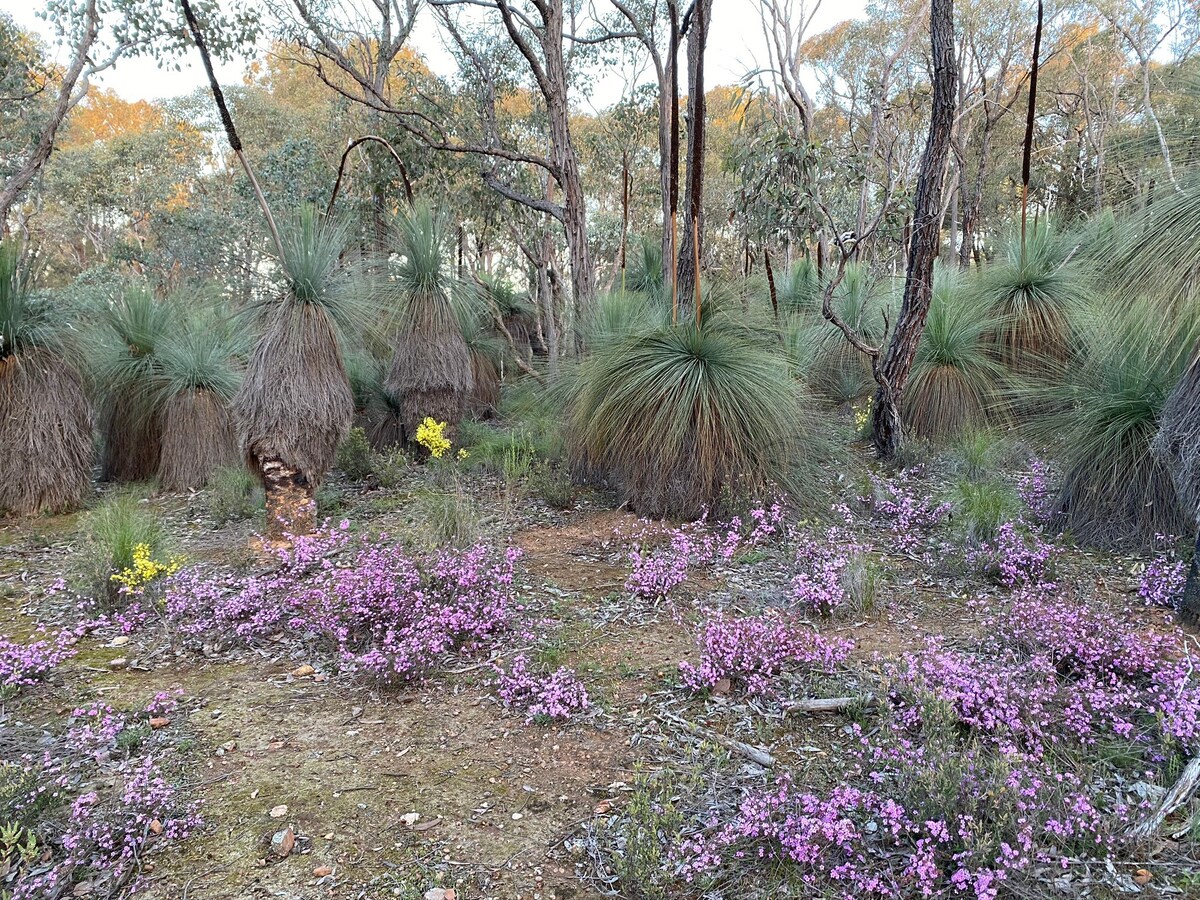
[1178, 795]
[825, 704]
[752, 753]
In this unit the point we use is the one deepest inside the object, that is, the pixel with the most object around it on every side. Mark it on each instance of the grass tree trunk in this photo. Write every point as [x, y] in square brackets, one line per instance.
[690, 248]
[290, 498]
[893, 370]
[1189, 608]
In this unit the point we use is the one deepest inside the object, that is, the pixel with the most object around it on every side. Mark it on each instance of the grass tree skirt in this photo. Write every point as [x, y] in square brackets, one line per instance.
[132, 440]
[197, 439]
[45, 435]
[291, 505]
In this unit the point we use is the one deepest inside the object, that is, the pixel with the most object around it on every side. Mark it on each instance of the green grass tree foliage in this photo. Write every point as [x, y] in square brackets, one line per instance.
[1178, 445]
[1034, 296]
[127, 369]
[199, 375]
[687, 417]
[45, 419]
[295, 404]
[431, 372]
[956, 382]
[1103, 414]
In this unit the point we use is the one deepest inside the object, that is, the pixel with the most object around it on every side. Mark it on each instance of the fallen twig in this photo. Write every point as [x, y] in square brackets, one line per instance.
[752, 753]
[825, 704]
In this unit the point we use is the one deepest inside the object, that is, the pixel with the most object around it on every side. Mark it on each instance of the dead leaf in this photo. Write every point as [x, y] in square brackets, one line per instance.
[160, 722]
[278, 812]
[425, 826]
[1142, 876]
[156, 827]
[322, 871]
[303, 671]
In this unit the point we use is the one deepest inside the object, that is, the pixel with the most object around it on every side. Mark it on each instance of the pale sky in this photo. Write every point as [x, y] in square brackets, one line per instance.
[735, 47]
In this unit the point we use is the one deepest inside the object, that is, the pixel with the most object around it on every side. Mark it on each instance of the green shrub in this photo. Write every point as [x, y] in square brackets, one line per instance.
[111, 533]
[446, 518]
[553, 484]
[354, 457]
[981, 508]
[518, 461]
[391, 466]
[233, 495]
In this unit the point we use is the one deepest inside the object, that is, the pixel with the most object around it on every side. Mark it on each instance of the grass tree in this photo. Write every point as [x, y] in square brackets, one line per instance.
[295, 404]
[956, 383]
[1178, 445]
[199, 376]
[688, 417]
[1034, 295]
[1103, 414]
[431, 372]
[127, 368]
[45, 420]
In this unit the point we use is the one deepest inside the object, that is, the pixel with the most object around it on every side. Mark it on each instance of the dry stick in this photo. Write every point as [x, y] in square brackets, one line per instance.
[227, 120]
[752, 753]
[1033, 74]
[674, 160]
[828, 704]
[1178, 795]
[408, 191]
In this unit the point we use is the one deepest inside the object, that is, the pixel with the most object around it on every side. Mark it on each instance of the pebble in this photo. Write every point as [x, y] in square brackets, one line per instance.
[119, 663]
[435, 894]
[278, 812]
[282, 842]
[322, 871]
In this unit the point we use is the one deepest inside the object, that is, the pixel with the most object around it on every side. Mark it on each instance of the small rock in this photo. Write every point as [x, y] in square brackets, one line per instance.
[303, 671]
[329, 836]
[451, 894]
[229, 746]
[156, 827]
[282, 842]
[410, 819]
[278, 812]
[159, 722]
[320, 678]
[119, 663]
[119, 641]
[517, 817]
[603, 807]
[435, 894]
[322, 871]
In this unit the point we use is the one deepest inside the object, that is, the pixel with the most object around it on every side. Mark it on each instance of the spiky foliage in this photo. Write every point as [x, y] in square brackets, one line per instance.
[127, 369]
[199, 376]
[1104, 414]
[956, 383]
[644, 271]
[431, 372]
[513, 307]
[376, 409]
[487, 351]
[799, 290]
[295, 405]
[1178, 439]
[836, 371]
[45, 419]
[683, 418]
[616, 315]
[1034, 294]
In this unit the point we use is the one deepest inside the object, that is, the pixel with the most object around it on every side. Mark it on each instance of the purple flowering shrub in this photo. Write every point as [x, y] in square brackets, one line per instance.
[1034, 489]
[989, 763]
[541, 696]
[379, 609]
[1015, 558]
[1165, 576]
[23, 663]
[752, 652]
[831, 572]
[909, 513]
[95, 800]
[656, 572]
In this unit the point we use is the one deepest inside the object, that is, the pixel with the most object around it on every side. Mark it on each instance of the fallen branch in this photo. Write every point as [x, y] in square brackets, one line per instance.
[752, 753]
[826, 704]
[1178, 795]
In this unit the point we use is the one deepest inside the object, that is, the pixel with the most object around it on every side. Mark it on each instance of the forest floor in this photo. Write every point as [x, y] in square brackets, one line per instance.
[274, 737]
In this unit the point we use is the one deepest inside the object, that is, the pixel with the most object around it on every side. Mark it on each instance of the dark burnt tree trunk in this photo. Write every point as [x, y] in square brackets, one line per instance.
[893, 370]
[1189, 608]
[690, 240]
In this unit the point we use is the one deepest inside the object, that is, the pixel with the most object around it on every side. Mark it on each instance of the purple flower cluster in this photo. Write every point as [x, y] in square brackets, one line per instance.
[655, 573]
[751, 652]
[1016, 558]
[978, 769]
[555, 695]
[120, 803]
[824, 563]
[26, 663]
[380, 610]
[1165, 577]
[900, 502]
[1035, 492]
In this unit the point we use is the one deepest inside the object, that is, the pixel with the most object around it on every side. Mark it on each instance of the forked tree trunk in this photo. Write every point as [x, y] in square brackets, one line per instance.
[893, 371]
[291, 504]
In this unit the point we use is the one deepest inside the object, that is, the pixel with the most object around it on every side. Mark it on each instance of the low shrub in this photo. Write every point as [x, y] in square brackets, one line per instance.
[354, 456]
[540, 696]
[233, 495]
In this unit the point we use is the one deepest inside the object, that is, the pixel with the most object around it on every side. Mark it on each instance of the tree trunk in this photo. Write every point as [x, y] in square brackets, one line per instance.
[892, 373]
[291, 507]
[1189, 607]
[65, 102]
[690, 244]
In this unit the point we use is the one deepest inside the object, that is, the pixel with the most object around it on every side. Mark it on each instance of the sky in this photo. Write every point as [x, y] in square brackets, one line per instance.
[735, 47]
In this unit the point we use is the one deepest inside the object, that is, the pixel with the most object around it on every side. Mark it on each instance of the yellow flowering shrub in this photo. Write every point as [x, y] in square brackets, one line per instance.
[146, 569]
[431, 435]
[462, 453]
[862, 415]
